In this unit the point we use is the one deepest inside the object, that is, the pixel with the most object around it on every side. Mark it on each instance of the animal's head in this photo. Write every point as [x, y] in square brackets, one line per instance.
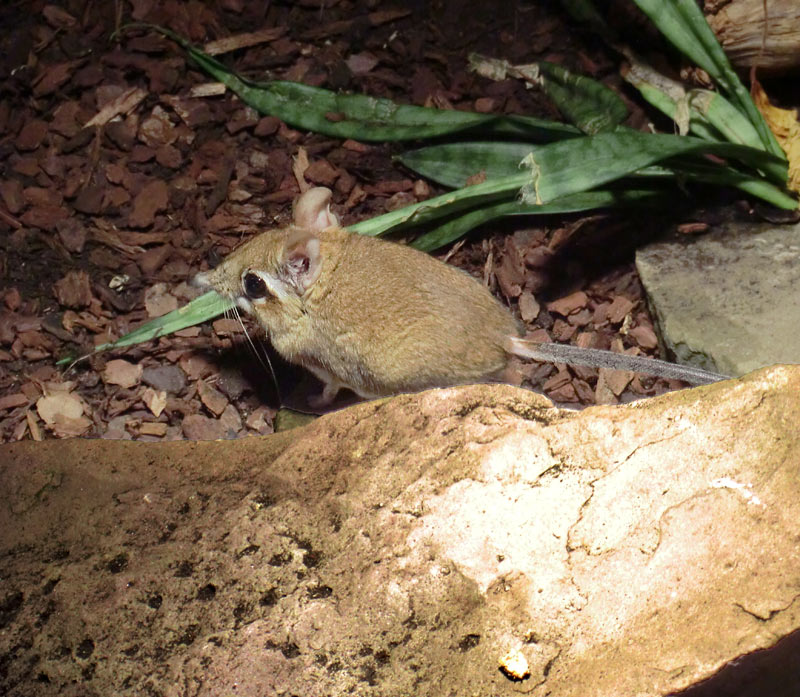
[268, 275]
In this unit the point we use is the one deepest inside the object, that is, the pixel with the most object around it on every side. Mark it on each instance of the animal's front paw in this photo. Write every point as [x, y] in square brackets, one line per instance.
[319, 401]
[325, 399]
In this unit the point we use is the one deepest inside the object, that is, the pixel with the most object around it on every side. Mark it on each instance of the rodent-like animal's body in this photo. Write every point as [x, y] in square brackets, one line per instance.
[381, 318]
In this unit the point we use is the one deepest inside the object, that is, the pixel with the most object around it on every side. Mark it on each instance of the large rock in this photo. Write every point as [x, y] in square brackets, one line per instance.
[412, 546]
[728, 300]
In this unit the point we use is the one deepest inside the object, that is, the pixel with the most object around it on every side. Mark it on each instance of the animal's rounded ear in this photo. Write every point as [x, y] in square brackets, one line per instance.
[312, 210]
[302, 263]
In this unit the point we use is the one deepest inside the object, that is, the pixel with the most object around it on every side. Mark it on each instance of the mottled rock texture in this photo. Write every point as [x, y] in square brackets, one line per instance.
[406, 546]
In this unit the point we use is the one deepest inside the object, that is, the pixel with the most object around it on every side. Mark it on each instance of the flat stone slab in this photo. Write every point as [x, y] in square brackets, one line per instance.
[730, 300]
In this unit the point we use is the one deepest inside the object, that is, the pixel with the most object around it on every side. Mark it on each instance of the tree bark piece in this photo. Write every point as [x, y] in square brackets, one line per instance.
[772, 46]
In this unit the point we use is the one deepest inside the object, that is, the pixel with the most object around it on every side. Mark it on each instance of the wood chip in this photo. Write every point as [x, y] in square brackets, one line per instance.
[212, 398]
[231, 419]
[355, 146]
[199, 427]
[72, 234]
[12, 401]
[644, 336]
[158, 301]
[361, 63]
[619, 308]
[528, 306]
[261, 420]
[196, 366]
[152, 199]
[153, 428]
[58, 18]
[12, 299]
[121, 372]
[155, 400]
[33, 426]
[510, 272]
[11, 193]
[226, 326]
[31, 135]
[127, 101]
[603, 393]
[253, 38]
[557, 381]
[693, 228]
[44, 217]
[208, 89]
[565, 394]
[569, 304]
[74, 290]
[580, 318]
[616, 380]
[322, 173]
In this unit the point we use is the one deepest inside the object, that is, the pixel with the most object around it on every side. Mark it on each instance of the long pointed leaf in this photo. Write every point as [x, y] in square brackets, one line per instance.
[359, 116]
[199, 310]
[589, 200]
[581, 164]
[589, 104]
[487, 193]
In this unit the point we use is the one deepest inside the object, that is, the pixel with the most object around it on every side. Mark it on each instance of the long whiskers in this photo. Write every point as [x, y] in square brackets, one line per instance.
[260, 355]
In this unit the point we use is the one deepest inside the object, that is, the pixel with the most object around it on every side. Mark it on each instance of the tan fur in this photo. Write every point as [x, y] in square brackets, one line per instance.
[380, 319]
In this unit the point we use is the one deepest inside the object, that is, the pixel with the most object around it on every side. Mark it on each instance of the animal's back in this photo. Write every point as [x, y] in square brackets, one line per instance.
[408, 320]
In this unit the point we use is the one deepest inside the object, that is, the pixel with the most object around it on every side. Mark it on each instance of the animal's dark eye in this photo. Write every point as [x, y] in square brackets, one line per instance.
[254, 286]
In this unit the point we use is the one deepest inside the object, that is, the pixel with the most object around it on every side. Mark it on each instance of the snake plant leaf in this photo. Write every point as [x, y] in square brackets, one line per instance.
[360, 116]
[202, 308]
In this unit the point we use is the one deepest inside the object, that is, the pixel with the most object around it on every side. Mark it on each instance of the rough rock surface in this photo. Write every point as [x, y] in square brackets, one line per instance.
[409, 546]
[728, 300]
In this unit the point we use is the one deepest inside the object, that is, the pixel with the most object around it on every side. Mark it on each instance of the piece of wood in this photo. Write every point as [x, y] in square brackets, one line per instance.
[772, 46]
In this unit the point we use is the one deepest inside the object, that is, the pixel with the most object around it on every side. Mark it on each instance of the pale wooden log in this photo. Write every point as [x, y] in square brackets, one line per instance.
[774, 47]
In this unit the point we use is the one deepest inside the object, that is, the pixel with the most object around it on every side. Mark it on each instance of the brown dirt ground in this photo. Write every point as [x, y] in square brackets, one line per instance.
[103, 226]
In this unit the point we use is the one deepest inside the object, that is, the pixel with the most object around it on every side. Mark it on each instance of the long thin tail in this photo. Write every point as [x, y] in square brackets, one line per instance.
[596, 358]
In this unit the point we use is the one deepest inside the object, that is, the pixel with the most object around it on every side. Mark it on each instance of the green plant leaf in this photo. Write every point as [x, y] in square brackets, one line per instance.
[452, 164]
[584, 11]
[359, 116]
[574, 165]
[469, 197]
[584, 201]
[199, 310]
[587, 103]
[694, 170]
